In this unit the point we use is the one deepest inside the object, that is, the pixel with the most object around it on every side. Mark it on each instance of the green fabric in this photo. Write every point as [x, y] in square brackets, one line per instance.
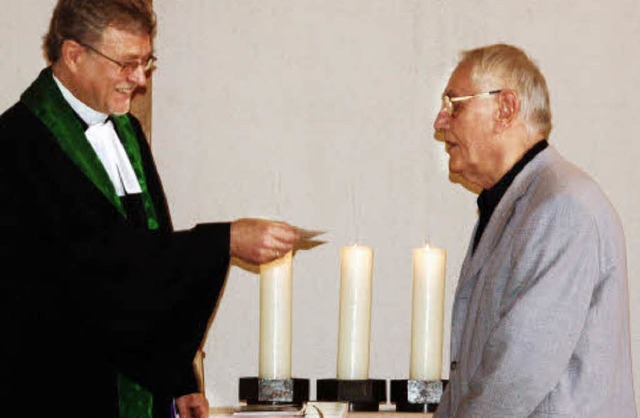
[134, 400]
[45, 100]
[125, 131]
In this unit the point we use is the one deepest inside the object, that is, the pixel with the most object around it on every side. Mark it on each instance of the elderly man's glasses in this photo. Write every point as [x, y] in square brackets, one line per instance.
[126, 67]
[448, 102]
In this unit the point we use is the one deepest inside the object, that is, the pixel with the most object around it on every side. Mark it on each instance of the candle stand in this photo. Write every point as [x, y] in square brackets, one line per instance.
[361, 394]
[254, 390]
[417, 395]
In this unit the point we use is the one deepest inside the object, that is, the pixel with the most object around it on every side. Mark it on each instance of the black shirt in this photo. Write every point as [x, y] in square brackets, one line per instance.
[489, 198]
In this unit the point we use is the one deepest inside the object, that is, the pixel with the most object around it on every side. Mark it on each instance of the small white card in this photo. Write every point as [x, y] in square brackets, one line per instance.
[308, 239]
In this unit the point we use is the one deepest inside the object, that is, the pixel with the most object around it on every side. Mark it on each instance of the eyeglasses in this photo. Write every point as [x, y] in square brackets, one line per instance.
[126, 67]
[447, 102]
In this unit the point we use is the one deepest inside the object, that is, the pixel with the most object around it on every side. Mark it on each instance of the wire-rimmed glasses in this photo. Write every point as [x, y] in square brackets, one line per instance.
[447, 101]
[125, 67]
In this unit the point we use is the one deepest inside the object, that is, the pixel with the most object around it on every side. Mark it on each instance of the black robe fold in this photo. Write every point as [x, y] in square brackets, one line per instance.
[87, 295]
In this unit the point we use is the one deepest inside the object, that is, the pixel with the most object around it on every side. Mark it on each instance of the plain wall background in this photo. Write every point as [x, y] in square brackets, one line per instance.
[320, 113]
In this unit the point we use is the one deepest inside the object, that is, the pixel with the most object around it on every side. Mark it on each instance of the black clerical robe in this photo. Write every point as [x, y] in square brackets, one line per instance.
[87, 295]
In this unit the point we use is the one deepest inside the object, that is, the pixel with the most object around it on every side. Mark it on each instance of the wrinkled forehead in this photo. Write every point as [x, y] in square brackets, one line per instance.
[126, 41]
[460, 81]
[471, 79]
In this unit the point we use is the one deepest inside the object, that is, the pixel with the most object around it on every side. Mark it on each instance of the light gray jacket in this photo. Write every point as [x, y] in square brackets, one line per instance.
[540, 324]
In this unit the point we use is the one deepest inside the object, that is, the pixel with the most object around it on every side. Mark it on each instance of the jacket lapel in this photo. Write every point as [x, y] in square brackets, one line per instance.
[499, 219]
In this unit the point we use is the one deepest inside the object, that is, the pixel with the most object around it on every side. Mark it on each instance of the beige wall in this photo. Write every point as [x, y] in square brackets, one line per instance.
[320, 113]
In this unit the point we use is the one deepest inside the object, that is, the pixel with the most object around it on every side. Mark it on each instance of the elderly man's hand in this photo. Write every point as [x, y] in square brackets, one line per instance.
[259, 241]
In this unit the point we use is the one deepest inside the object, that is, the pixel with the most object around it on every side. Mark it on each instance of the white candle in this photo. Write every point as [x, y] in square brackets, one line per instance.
[354, 328]
[276, 288]
[427, 321]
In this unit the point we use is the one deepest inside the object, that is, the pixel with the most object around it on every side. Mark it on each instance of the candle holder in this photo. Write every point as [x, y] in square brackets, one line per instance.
[258, 391]
[423, 390]
[417, 395]
[361, 394]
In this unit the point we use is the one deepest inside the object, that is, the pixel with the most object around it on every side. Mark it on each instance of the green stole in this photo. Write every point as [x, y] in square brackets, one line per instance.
[45, 100]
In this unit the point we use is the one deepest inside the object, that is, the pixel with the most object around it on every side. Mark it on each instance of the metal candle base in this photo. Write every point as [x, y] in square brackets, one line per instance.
[254, 390]
[362, 395]
[417, 395]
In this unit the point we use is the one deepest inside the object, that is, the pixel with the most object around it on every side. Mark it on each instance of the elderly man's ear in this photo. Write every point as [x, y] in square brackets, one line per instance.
[508, 109]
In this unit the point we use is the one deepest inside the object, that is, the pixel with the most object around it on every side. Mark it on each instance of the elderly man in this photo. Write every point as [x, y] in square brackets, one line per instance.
[540, 323]
[106, 305]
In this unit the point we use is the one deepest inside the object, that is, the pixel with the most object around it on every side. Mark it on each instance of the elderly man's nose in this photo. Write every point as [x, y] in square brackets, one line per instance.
[442, 120]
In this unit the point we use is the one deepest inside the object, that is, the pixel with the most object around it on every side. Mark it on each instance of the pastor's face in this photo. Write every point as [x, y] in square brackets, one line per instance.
[103, 84]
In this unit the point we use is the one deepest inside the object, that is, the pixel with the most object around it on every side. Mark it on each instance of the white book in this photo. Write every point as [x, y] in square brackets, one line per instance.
[311, 409]
[275, 410]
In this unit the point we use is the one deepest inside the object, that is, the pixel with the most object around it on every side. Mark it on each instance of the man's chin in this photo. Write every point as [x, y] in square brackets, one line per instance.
[121, 108]
[120, 111]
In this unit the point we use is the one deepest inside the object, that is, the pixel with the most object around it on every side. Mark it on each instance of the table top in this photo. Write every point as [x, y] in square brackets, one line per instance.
[385, 411]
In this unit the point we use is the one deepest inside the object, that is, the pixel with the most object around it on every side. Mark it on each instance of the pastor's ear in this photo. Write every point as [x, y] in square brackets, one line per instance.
[71, 53]
[508, 108]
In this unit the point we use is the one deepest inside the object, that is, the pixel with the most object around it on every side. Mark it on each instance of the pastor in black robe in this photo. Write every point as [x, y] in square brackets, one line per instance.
[87, 294]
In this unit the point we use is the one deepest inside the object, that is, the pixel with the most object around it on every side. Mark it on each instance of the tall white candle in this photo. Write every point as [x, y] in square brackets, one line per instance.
[427, 321]
[276, 288]
[354, 328]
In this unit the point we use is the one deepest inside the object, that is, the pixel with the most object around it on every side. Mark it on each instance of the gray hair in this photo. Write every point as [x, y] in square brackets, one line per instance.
[517, 72]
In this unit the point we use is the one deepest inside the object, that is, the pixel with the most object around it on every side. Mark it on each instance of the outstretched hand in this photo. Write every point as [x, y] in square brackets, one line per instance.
[259, 241]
